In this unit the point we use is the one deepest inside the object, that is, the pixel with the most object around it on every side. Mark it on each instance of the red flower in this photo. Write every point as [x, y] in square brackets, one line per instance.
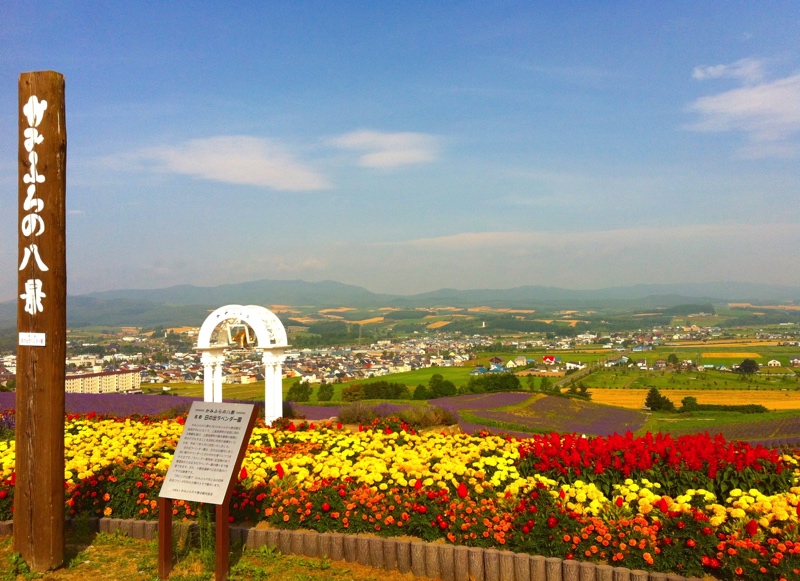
[462, 490]
[418, 484]
[243, 473]
[552, 522]
[279, 470]
[325, 507]
[292, 428]
[751, 528]
[662, 504]
[3, 494]
[619, 501]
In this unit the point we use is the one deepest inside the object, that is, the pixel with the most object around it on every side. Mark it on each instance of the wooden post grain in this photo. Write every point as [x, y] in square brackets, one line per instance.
[223, 538]
[164, 537]
[41, 321]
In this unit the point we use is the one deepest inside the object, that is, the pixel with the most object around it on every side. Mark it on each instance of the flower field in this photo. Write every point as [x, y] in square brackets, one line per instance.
[570, 415]
[693, 505]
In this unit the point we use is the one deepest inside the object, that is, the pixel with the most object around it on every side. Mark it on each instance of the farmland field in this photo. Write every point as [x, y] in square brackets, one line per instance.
[731, 355]
[634, 399]
[711, 380]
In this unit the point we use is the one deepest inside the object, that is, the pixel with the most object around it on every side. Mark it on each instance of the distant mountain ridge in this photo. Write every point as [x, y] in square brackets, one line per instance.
[331, 293]
[192, 303]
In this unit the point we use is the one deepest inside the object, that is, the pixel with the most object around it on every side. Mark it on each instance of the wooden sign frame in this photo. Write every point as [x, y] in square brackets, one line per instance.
[222, 515]
[41, 321]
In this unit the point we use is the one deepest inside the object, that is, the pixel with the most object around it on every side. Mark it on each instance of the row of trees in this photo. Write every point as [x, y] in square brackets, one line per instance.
[437, 387]
[658, 402]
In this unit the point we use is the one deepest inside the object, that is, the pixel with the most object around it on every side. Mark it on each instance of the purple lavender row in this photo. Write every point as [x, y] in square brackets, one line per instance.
[483, 401]
[115, 404]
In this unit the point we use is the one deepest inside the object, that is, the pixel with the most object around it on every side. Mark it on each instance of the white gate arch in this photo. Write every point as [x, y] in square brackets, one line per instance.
[271, 337]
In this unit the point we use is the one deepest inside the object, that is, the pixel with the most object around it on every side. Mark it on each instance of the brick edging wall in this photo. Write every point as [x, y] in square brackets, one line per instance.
[436, 560]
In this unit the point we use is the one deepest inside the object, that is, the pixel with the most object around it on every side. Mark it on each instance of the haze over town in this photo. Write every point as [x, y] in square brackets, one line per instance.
[408, 147]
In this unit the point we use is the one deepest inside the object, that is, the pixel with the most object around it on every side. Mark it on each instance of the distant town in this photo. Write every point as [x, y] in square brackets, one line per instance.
[128, 360]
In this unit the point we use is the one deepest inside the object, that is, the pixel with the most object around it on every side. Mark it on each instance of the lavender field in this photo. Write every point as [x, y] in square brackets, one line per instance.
[776, 432]
[558, 414]
[115, 404]
[541, 414]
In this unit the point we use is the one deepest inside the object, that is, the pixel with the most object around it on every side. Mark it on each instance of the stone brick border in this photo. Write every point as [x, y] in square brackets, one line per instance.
[436, 560]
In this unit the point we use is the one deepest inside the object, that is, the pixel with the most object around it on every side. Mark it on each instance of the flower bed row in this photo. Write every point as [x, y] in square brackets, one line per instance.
[690, 505]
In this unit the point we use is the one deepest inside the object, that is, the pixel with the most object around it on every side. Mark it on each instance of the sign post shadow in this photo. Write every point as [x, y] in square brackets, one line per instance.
[203, 469]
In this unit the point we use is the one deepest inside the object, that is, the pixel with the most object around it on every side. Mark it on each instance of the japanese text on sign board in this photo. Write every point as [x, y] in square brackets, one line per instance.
[32, 225]
[207, 451]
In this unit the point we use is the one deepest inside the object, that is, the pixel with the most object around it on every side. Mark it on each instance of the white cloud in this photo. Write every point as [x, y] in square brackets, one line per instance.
[389, 149]
[234, 159]
[768, 113]
[746, 70]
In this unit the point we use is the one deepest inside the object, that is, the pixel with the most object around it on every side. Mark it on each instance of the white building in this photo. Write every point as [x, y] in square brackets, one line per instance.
[104, 382]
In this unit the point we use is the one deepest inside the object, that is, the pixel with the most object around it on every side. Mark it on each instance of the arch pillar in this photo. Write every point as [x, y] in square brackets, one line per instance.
[273, 383]
[213, 359]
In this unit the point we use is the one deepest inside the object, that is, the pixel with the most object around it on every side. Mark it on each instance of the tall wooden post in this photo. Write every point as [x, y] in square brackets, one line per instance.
[41, 321]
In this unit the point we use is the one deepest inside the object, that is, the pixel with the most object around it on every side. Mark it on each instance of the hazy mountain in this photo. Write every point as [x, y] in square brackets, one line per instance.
[188, 304]
[327, 293]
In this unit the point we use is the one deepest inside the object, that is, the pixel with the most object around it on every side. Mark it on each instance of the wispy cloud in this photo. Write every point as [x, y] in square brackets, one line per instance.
[387, 150]
[234, 159]
[585, 259]
[746, 70]
[768, 113]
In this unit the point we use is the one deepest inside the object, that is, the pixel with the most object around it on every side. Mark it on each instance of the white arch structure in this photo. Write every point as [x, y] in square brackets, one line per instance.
[271, 337]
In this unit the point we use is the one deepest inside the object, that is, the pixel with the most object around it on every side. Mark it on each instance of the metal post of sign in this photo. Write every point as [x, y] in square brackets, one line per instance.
[41, 321]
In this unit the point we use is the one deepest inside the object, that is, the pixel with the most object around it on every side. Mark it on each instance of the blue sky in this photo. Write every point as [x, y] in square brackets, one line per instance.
[409, 146]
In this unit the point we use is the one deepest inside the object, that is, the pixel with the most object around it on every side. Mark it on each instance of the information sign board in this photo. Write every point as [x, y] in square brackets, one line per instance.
[208, 452]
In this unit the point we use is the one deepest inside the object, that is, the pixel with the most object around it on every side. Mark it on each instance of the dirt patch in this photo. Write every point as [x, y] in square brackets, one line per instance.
[368, 321]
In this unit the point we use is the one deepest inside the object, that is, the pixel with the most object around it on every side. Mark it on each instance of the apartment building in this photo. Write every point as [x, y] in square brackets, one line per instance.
[104, 382]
